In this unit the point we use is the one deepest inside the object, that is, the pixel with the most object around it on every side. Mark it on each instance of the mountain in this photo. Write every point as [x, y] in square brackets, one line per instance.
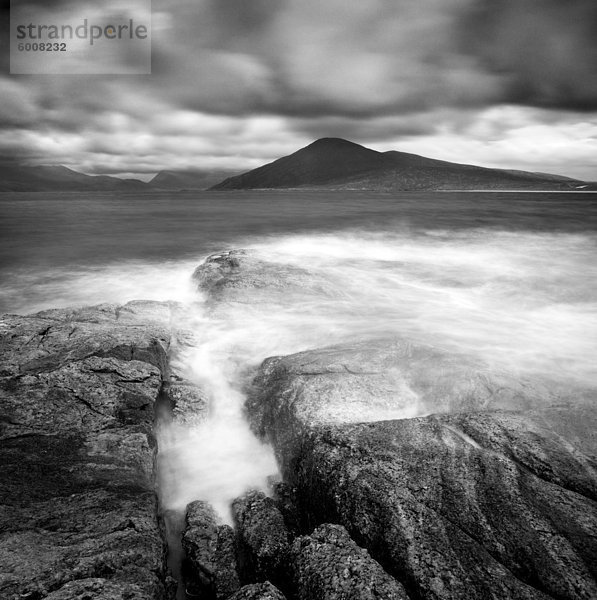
[333, 163]
[58, 179]
[189, 180]
[328, 163]
[53, 179]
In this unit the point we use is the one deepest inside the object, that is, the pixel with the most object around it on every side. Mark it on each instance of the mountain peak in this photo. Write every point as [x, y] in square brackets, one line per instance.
[336, 163]
[333, 142]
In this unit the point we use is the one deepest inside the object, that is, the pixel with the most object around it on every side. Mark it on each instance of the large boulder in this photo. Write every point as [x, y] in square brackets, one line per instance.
[248, 277]
[264, 541]
[328, 565]
[53, 338]
[383, 379]
[452, 516]
[78, 391]
[258, 591]
[495, 498]
[211, 553]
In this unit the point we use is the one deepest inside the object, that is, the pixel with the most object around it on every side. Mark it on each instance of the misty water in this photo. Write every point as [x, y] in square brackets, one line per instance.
[506, 277]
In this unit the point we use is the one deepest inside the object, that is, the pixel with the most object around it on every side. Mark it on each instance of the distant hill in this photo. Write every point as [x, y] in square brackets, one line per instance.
[188, 180]
[328, 163]
[333, 163]
[49, 179]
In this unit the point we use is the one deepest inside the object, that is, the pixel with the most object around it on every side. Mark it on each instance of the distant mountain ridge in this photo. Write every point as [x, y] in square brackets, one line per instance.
[48, 179]
[335, 163]
[196, 179]
[327, 163]
[62, 179]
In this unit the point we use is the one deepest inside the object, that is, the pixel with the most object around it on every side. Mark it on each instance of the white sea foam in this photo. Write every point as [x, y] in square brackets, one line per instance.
[520, 300]
[220, 458]
[28, 291]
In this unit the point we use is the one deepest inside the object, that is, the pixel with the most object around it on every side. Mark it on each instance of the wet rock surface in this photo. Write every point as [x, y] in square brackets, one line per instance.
[190, 405]
[410, 471]
[462, 481]
[247, 277]
[77, 403]
[328, 565]
[210, 550]
[263, 539]
[485, 503]
[258, 591]
[382, 379]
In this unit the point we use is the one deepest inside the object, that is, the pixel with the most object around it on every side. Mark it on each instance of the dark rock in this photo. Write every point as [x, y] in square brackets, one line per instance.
[449, 517]
[328, 565]
[55, 338]
[578, 427]
[258, 591]
[96, 589]
[77, 503]
[211, 553]
[247, 277]
[263, 539]
[479, 502]
[285, 498]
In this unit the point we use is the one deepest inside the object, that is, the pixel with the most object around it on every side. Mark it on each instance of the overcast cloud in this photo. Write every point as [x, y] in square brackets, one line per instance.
[235, 83]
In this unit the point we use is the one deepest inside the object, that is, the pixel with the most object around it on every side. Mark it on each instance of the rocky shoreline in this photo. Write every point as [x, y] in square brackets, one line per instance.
[78, 394]
[407, 472]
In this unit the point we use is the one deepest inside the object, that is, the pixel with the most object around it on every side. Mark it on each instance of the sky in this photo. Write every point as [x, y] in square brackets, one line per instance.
[238, 83]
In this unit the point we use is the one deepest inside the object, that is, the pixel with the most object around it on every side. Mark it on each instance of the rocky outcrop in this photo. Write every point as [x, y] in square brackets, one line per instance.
[78, 392]
[328, 565]
[247, 277]
[263, 539]
[426, 474]
[258, 591]
[448, 517]
[462, 481]
[479, 502]
[211, 554]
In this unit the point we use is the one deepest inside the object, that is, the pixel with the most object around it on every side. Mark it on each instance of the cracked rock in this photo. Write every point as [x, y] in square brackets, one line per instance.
[77, 502]
[493, 496]
[211, 554]
[263, 539]
[328, 565]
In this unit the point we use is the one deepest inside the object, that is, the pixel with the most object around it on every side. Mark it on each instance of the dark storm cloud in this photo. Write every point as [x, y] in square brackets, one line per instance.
[333, 58]
[239, 17]
[370, 130]
[547, 49]
[4, 36]
[360, 60]
[248, 80]
[313, 58]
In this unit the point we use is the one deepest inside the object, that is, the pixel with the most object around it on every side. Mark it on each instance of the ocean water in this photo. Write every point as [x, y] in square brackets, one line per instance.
[507, 277]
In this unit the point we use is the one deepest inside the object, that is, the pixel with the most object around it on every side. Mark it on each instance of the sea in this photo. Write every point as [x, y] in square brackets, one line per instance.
[510, 278]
